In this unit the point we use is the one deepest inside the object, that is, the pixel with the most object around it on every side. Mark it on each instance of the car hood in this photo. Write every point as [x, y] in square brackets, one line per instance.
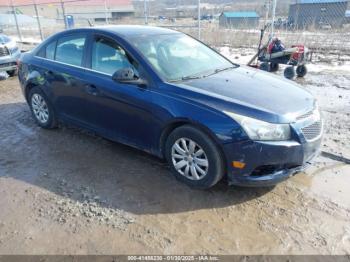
[12, 46]
[253, 93]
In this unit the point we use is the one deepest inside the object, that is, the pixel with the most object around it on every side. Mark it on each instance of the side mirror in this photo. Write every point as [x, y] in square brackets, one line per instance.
[127, 76]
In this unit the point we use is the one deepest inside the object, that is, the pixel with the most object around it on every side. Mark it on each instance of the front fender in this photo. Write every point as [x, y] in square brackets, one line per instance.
[173, 111]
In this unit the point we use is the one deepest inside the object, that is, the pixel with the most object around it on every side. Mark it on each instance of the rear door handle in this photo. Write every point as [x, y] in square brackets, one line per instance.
[91, 90]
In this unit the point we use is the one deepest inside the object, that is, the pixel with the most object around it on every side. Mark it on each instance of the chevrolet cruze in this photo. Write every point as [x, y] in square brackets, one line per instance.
[168, 94]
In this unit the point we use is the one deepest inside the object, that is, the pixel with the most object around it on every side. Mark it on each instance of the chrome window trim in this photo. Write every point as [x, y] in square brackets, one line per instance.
[79, 67]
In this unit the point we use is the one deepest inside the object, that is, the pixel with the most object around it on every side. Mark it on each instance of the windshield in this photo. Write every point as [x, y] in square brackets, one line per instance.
[179, 57]
[4, 39]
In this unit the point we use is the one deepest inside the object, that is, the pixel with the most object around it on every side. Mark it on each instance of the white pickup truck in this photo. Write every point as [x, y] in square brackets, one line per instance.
[9, 53]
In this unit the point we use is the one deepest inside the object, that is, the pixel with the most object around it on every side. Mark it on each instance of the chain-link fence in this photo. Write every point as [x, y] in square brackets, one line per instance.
[322, 25]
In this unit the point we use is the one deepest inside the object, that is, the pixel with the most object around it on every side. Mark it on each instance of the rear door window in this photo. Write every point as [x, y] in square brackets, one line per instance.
[50, 51]
[70, 49]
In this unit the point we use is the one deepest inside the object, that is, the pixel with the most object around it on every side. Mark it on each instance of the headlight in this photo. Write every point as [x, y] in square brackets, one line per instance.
[261, 130]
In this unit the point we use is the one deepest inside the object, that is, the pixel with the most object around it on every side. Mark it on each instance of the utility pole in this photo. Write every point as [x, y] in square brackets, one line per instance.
[267, 7]
[38, 20]
[16, 21]
[273, 18]
[199, 19]
[145, 11]
[64, 15]
[106, 10]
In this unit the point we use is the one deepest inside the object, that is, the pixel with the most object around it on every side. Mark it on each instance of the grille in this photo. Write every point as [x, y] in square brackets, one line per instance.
[4, 51]
[306, 115]
[312, 131]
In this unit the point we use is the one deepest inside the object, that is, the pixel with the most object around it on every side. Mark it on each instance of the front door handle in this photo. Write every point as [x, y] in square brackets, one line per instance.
[91, 90]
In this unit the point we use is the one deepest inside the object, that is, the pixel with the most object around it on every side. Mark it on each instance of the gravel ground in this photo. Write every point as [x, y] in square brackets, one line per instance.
[67, 191]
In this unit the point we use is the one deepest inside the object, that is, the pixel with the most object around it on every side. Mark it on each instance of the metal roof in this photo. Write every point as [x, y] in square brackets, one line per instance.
[69, 2]
[241, 14]
[319, 1]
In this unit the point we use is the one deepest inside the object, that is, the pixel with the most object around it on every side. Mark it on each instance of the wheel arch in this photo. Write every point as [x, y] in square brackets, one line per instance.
[176, 123]
[29, 86]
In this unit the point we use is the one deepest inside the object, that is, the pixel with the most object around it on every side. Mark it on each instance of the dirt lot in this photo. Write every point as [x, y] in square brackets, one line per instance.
[67, 191]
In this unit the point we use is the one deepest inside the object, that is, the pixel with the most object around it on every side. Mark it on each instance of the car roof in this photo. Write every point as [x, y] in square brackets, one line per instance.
[123, 31]
[126, 31]
[134, 30]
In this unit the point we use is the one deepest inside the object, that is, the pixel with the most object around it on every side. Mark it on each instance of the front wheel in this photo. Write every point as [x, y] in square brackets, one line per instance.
[194, 158]
[301, 71]
[41, 109]
[289, 72]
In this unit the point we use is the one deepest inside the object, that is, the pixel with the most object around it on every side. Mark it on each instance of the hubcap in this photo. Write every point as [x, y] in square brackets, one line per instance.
[40, 109]
[189, 159]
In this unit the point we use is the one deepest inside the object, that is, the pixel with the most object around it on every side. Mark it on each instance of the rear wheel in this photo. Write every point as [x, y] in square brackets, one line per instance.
[41, 108]
[289, 72]
[301, 71]
[194, 158]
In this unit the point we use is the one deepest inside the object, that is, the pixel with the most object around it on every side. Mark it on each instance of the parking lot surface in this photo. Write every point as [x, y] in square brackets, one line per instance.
[67, 191]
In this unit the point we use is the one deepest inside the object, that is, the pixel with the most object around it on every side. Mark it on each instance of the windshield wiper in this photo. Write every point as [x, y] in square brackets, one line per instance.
[184, 78]
[220, 70]
[190, 77]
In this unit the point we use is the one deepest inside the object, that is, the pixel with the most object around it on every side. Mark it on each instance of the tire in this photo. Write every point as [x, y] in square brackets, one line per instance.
[274, 67]
[301, 71]
[289, 72]
[11, 73]
[213, 171]
[265, 67]
[38, 102]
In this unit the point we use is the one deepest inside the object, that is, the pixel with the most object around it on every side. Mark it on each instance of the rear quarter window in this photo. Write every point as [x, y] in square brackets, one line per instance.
[48, 51]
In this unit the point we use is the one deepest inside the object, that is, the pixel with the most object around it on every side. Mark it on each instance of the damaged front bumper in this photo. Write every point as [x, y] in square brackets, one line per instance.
[268, 163]
[265, 180]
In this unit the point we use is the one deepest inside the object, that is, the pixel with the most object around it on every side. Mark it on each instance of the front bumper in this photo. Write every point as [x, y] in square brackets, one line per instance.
[8, 66]
[268, 163]
[266, 180]
[9, 63]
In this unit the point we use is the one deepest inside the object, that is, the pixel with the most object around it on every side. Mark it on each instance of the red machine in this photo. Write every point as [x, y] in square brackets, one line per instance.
[274, 53]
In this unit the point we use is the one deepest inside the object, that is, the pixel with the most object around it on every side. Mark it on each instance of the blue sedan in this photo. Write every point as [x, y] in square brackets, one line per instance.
[168, 94]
